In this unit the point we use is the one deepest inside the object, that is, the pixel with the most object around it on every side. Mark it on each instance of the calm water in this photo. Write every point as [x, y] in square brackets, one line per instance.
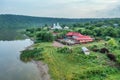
[11, 68]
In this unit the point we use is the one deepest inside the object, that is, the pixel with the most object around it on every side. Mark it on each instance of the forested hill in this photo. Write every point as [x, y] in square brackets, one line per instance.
[19, 21]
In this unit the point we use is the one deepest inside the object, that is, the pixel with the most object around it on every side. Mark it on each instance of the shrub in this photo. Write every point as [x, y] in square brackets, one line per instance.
[111, 57]
[28, 55]
[44, 36]
[96, 50]
[119, 41]
[107, 38]
[94, 74]
[78, 50]
[104, 50]
[112, 43]
[93, 47]
[98, 38]
[64, 50]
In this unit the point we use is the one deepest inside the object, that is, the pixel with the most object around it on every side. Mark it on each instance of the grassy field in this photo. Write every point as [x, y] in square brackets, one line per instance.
[78, 66]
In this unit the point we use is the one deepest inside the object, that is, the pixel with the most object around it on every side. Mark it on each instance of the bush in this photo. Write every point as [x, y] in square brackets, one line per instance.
[44, 36]
[93, 47]
[64, 50]
[96, 50]
[104, 50]
[119, 41]
[112, 43]
[95, 74]
[28, 55]
[107, 38]
[111, 57]
[78, 50]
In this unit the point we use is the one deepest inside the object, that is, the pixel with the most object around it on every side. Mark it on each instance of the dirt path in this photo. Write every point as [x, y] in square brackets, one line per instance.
[57, 44]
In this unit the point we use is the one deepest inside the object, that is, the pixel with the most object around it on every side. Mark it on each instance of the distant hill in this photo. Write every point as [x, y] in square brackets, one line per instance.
[19, 21]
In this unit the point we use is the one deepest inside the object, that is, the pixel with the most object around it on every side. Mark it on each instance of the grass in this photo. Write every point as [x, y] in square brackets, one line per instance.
[78, 66]
[117, 54]
[115, 76]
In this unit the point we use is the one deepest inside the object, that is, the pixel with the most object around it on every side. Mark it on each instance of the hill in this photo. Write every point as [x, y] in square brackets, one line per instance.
[20, 21]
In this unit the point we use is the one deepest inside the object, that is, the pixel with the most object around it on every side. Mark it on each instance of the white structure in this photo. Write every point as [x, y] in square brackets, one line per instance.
[66, 27]
[56, 26]
[85, 50]
[115, 25]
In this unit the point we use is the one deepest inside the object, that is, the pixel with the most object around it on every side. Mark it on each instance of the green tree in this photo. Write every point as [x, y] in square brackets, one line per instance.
[44, 36]
[112, 43]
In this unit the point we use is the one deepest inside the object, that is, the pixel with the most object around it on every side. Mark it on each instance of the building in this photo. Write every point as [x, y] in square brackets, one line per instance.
[66, 27]
[56, 26]
[79, 37]
[116, 25]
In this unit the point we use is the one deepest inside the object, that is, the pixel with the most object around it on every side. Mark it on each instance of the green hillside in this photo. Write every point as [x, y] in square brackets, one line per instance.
[19, 21]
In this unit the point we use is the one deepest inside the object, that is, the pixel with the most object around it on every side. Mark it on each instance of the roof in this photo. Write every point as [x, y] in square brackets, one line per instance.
[80, 37]
[74, 34]
[66, 27]
[84, 37]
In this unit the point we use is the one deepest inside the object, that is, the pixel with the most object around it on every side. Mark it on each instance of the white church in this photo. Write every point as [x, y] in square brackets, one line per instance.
[56, 26]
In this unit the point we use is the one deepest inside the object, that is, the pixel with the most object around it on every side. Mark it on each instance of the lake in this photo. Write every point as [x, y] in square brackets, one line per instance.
[11, 67]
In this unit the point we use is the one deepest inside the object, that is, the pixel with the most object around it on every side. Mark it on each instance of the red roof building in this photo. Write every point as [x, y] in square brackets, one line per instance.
[79, 37]
[73, 34]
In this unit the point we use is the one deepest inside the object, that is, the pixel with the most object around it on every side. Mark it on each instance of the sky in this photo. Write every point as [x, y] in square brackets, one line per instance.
[62, 8]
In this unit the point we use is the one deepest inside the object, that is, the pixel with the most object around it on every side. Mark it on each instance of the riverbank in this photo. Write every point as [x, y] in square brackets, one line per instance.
[41, 66]
[43, 70]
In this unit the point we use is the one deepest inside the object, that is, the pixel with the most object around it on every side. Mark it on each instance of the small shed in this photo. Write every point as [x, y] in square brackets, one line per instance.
[85, 50]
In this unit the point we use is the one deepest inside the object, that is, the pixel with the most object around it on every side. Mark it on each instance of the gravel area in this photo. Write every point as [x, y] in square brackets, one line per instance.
[57, 44]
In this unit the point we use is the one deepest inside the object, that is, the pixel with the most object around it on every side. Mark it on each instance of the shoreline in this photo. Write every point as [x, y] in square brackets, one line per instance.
[42, 67]
[43, 70]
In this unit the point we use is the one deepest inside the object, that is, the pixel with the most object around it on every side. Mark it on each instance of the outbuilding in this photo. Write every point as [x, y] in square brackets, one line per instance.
[85, 50]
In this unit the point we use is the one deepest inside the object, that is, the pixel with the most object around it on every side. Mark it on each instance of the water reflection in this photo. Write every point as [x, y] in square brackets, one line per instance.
[11, 68]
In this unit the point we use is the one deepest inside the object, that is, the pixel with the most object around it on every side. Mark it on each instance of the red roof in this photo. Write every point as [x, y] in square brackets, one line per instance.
[84, 38]
[80, 37]
[74, 34]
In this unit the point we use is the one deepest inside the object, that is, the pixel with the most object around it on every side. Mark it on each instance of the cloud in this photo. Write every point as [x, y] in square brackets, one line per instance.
[61, 8]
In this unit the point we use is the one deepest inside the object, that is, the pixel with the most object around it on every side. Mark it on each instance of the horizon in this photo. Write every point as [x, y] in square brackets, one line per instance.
[62, 9]
[62, 17]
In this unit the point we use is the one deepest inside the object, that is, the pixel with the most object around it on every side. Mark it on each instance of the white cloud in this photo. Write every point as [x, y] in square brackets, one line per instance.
[60, 8]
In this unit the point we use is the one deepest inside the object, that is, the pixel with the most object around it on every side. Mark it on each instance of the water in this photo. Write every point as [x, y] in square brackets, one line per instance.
[11, 68]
